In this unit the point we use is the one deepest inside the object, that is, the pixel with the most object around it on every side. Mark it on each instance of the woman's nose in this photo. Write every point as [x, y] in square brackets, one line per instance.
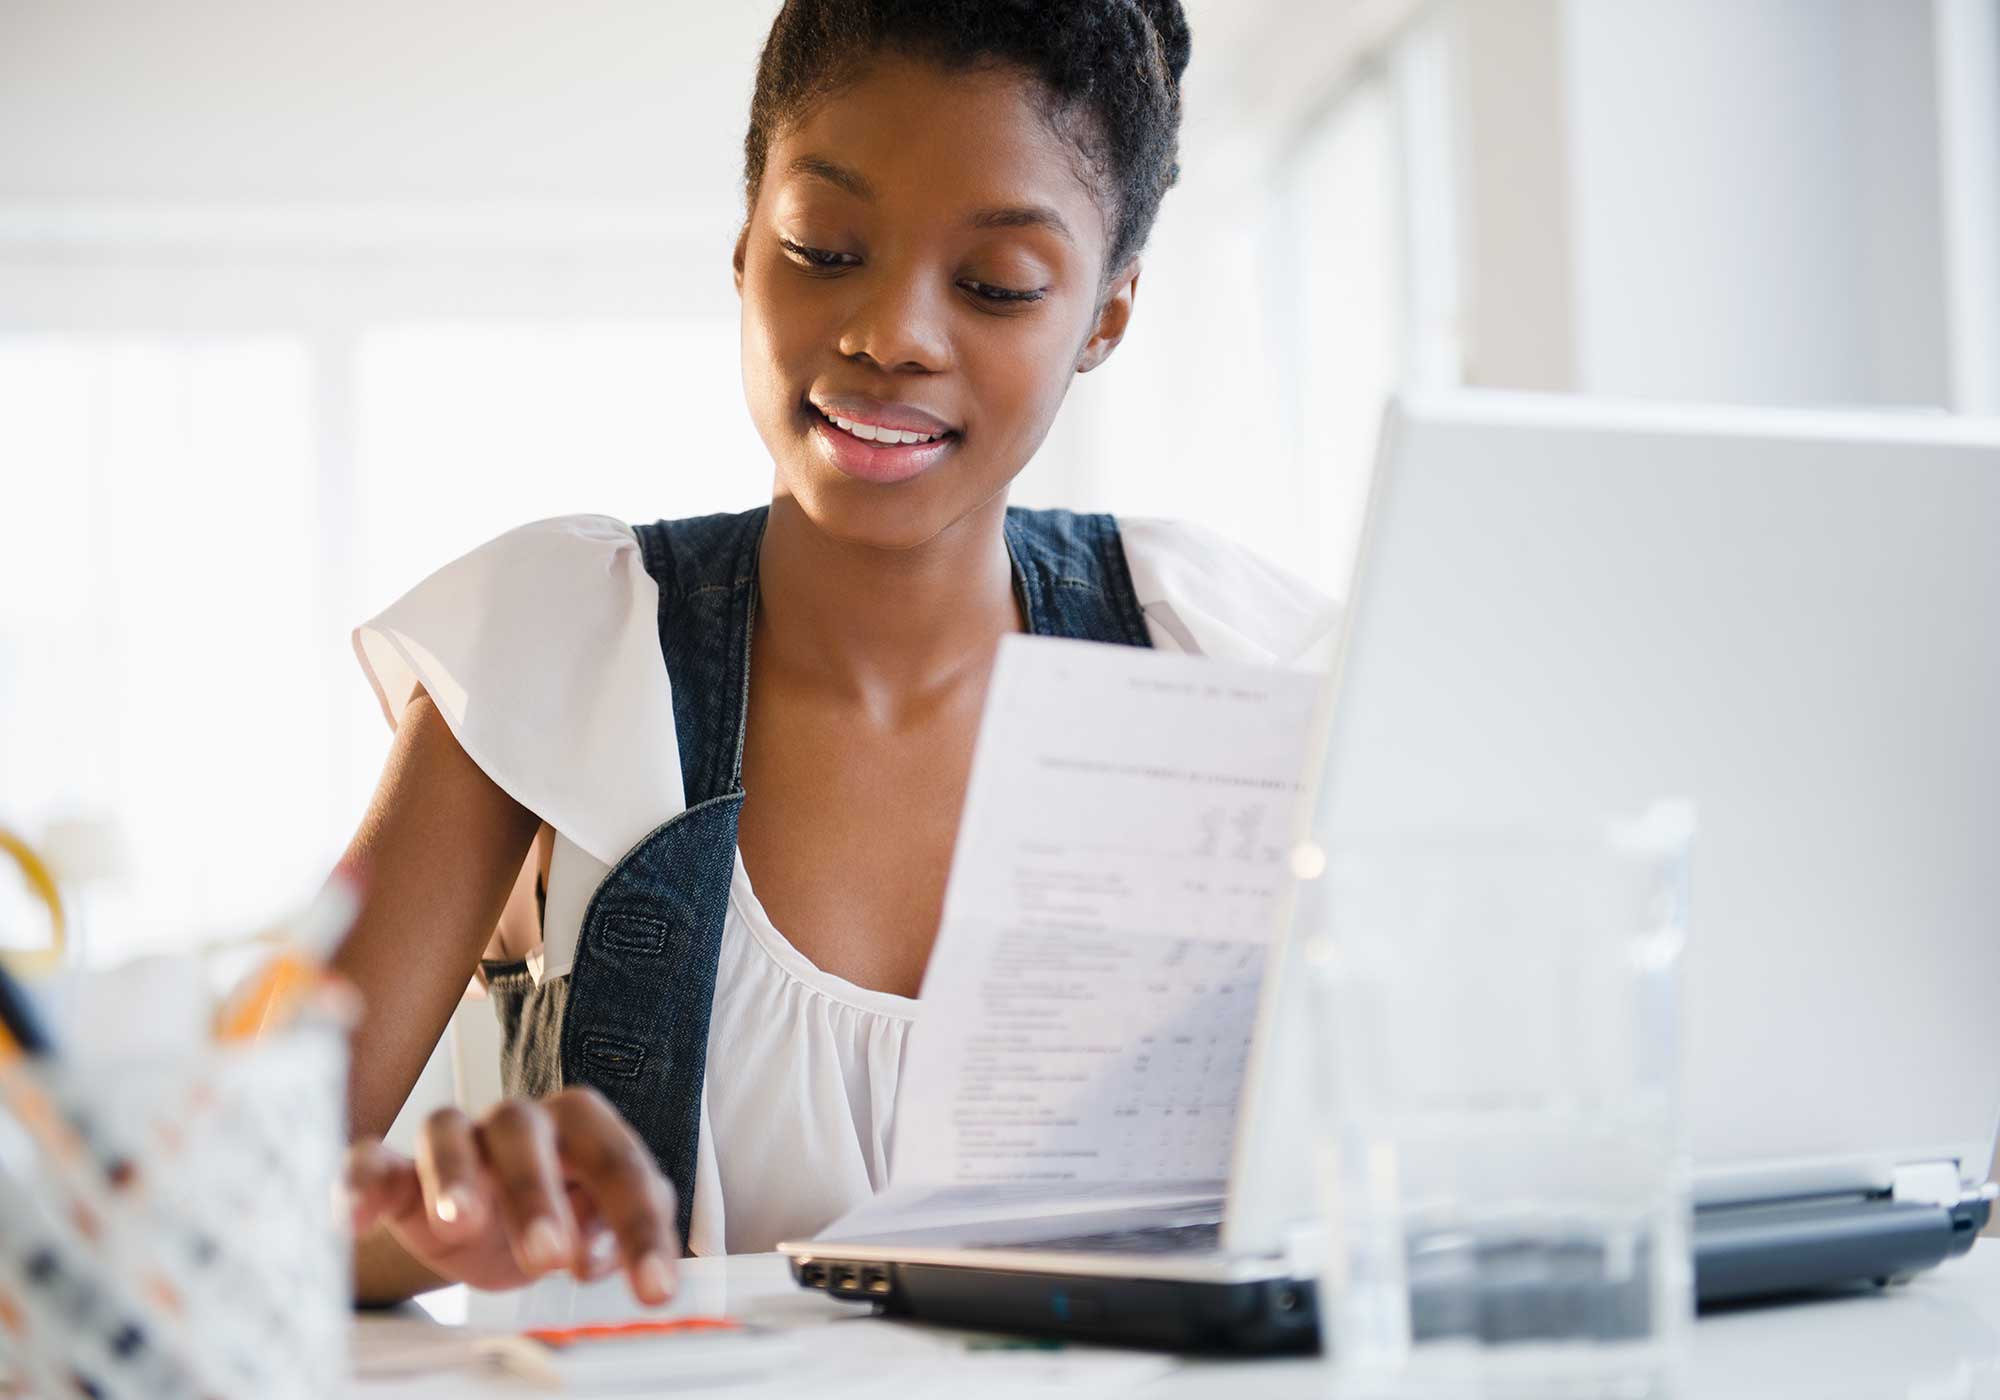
[898, 324]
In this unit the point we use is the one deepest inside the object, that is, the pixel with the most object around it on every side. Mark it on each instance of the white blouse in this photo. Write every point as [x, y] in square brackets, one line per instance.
[541, 651]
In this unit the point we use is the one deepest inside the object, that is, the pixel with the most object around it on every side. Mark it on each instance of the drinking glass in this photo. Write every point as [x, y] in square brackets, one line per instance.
[1500, 1142]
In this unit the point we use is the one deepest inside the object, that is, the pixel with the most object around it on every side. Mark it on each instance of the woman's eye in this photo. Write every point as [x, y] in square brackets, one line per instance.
[817, 257]
[826, 260]
[1005, 295]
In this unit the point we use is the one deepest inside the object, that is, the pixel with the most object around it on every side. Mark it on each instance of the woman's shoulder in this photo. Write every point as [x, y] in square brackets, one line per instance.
[540, 648]
[561, 535]
[1205, 593]
[566, 582]
[572, 555]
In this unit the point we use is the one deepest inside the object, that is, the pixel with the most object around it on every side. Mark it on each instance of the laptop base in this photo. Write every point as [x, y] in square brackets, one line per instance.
[1252, 1317]
[1774, 1249]
[1741, 1253]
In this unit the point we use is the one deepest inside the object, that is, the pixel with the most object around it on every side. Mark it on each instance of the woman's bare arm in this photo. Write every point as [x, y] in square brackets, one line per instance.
[531, 1186]
[436, 856]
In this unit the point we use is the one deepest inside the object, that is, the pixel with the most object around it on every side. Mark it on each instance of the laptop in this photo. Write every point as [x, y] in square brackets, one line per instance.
[1564, 609]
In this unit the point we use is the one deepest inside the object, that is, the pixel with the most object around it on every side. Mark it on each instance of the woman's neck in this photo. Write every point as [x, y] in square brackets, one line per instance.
[885, 628]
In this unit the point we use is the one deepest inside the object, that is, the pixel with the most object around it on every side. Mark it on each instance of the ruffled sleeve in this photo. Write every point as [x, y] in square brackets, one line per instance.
[1205, 595]
[541, 650]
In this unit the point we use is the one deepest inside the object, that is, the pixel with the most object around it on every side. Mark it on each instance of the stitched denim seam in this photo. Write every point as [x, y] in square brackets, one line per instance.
[1118, 570]
[1027, 580]
[749, 627]
[614, 923]
[626, 1058]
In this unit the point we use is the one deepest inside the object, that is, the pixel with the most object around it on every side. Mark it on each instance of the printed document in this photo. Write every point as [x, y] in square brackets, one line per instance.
[1119, 875]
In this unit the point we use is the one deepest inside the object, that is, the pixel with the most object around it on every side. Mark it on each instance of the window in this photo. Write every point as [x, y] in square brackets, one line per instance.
[212, 474]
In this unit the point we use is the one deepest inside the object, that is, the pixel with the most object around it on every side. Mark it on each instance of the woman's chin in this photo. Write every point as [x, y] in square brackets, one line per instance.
[894, 517]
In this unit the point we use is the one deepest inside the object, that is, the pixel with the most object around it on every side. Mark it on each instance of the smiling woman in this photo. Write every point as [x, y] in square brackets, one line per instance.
[906, 288]
[945, 209]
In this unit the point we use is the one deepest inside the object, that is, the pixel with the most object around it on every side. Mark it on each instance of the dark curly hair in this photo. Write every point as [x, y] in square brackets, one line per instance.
[1110, 71]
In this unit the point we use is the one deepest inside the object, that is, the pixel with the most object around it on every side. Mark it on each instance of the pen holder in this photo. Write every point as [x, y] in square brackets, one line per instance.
[167, 1227]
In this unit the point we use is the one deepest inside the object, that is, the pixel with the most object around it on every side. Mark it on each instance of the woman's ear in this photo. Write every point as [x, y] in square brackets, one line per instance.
[1113, 315]
[736, 258]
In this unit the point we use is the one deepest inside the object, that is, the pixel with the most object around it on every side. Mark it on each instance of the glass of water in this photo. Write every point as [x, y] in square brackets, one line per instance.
[1501, 1152]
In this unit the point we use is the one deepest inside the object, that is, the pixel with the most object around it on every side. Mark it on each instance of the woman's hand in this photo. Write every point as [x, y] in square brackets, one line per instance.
[533, 1187]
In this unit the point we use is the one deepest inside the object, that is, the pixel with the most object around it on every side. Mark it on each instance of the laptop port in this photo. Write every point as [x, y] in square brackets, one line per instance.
[875, 1279]
[843, 1278]
[812, 1275]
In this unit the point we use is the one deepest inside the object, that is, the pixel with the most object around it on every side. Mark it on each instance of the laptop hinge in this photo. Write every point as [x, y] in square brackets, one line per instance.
[1927, 1183]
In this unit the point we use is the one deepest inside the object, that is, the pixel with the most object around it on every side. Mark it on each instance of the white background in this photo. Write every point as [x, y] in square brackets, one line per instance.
[298, 301]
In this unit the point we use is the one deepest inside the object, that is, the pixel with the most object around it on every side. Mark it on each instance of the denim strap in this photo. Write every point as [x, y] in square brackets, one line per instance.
[640, 991]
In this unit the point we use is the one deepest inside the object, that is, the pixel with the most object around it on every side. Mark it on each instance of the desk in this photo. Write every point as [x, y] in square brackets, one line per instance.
[1937, 1338]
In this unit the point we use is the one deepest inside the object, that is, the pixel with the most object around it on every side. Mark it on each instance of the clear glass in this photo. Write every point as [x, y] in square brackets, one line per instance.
[1501, 1150]
[168, 1228]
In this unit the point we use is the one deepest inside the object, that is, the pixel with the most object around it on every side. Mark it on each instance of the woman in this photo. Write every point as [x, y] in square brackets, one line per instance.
[946, 203]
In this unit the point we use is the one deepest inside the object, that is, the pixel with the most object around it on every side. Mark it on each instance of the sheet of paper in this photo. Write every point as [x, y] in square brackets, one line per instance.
[1118, 878]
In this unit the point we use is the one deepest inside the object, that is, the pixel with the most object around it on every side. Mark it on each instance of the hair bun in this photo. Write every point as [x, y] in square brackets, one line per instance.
[1169, 21]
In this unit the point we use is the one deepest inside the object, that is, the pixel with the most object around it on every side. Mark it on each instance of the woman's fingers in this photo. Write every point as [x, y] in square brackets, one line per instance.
[607, 1160]
[379, 1183]
[449, 1170]
[597, 1247]
[519, 1146]
[564, 1183]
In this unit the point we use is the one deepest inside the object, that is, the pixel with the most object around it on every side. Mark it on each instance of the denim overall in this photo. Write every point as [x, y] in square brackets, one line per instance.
[631, 1017]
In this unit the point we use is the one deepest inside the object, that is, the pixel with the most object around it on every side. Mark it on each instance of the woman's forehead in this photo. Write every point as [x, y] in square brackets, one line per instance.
[962, 143]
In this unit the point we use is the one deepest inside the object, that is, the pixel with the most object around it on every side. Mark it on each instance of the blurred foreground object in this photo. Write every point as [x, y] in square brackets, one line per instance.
[1503, 1157]
[42, 884]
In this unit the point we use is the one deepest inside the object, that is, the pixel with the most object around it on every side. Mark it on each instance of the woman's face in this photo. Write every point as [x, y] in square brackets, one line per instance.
[924, 259]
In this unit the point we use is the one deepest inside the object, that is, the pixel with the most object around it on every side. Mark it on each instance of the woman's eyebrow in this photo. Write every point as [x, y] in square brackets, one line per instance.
[1023, 216]
[833, 173]
[1006, 216]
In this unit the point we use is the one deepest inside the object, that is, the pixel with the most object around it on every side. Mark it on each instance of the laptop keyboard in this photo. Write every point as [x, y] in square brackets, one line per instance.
[1200, 1237]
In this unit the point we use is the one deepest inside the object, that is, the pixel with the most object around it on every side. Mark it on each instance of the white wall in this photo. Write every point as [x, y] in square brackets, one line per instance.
[370, 101]
[1748, 204]
[1755, 200]
[1968, 59]
[1516, 236]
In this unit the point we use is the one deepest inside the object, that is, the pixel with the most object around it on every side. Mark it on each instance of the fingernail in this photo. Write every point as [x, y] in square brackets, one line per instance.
[543, 1244]
[457, 1206]
[655, 1279]
[603, 1253]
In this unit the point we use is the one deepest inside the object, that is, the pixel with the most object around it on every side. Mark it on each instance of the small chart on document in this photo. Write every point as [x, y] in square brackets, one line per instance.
[1120, 872]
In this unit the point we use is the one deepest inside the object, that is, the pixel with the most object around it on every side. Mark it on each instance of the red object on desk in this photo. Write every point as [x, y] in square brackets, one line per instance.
[637, 1327]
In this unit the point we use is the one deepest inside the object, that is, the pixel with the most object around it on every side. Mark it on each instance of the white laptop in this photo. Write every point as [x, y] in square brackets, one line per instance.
[1565, 609]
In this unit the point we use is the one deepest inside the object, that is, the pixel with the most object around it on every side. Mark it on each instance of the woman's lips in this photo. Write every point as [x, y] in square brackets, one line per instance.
[879, 462]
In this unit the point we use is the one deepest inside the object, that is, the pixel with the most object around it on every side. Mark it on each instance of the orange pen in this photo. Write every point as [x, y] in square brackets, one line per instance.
[272, 995]
[633, 1327]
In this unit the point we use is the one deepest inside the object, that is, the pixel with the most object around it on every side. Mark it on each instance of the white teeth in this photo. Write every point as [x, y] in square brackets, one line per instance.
[868, 432]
